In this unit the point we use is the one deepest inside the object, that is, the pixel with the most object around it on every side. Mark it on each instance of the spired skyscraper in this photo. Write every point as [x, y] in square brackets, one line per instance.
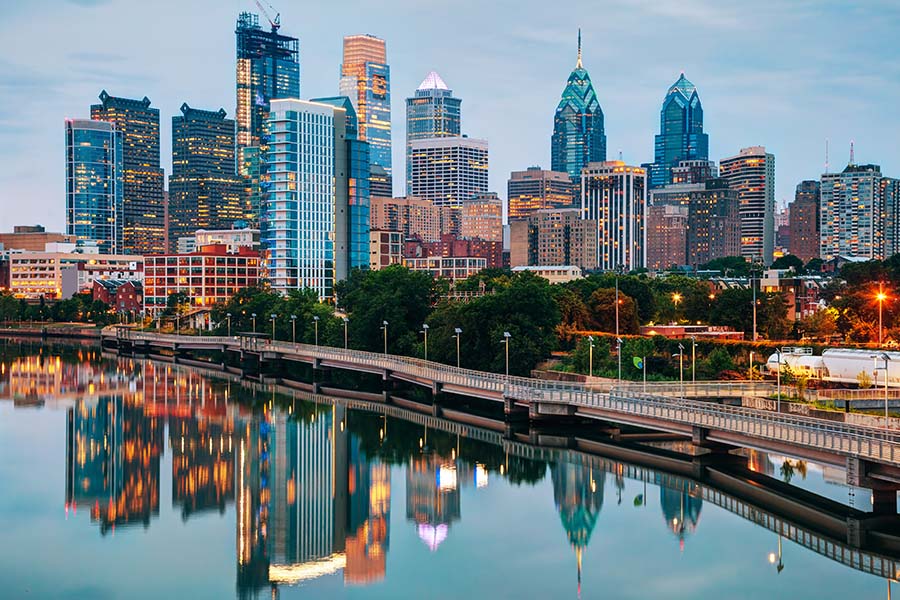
[366, 80]
[681, 134]
[268, 67]
[578, 133]
[432, 112]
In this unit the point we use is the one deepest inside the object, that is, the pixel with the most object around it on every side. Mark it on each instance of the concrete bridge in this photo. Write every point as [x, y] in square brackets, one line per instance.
[871, 455]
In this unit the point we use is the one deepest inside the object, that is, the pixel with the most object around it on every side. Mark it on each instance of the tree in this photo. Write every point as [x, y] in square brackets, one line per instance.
[602, 306]
[789, 262]
[717, 362]
[729, 266]
[821, 324]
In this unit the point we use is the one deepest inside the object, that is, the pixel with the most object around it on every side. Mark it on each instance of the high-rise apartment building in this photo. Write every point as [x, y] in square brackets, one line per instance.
[268, 67]
[667, 228]
[94, 186]
[852, 213]
[553, 237]
[432, 112]
[366, 80]
[578, 130]
[204, 192]
[615, 196]
[890, 191]
[803, 221]
[413, 217]
[681, 136]
[143, 202]
[536, 189]
[448, 170]
[752, 174]
[481, 216]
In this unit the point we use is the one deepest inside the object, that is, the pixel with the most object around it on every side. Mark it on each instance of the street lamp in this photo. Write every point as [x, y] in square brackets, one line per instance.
[619, 355]
[676, 300]
[590, 355]
[274, 316]
[293, 329]
[506, 336]
[316, 325]
[458, 332]
[346, 321]
[384, 326]
[778, 379]
[228, 316]
[680, 356]
[253, 315]
[693, 359]
[425, 332]
[883, 356]
[881, 297]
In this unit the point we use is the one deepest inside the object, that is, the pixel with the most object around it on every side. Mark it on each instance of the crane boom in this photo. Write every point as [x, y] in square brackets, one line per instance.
[276, 22]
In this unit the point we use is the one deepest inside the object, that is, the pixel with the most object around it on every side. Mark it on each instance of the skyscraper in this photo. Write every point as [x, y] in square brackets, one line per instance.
[804, 221]
[432, 112]
[366, 80]
[268, 67]
[890, 191]
[94, 184]
[204, 192]
[851, 213]
[578, 133]
[615, 196]
[681, 134]
[447, 170]
[536, 189]
[752, 174]
[143, 203]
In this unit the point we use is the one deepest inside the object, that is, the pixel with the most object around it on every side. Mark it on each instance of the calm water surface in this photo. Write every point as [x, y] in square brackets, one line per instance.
[134, 479]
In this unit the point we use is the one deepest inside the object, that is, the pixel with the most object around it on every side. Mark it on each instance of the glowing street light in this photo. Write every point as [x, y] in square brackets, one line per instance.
[881, 297]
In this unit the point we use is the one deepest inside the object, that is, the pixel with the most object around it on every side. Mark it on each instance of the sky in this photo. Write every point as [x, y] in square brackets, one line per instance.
[786, 75]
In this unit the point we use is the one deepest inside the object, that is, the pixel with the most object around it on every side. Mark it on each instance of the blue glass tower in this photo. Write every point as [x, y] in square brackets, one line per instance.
[681, 134]
[432, 112]
[94, 184]
[578, 133]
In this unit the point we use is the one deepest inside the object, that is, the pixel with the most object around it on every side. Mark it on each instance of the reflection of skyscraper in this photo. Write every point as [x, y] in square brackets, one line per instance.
[202, 464]
[369, 514]
[681, 511]
[432, 497]
[252, 505]
[578, 495]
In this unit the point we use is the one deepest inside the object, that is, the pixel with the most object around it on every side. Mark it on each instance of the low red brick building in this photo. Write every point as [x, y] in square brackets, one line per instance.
[121, 295]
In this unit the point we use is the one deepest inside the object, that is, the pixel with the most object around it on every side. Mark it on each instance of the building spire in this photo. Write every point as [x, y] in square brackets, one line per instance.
[578, 64]
[852, 158]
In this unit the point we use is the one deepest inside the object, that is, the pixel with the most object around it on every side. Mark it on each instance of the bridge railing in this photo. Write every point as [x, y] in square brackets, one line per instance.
[701, 389]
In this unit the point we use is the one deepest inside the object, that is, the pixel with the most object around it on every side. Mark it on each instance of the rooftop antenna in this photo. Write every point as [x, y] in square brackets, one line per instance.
[826, 156]
[620, 154]
[852, 162]
[578, 64]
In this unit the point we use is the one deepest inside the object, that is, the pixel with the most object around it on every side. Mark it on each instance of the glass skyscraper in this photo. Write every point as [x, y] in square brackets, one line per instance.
[366, 81]
[432, 112]
[752, 174]
[143, 204]
[268, 67]
[681, 134]
[614, 195]
[94, 190]
[204, 192]
[578, 133]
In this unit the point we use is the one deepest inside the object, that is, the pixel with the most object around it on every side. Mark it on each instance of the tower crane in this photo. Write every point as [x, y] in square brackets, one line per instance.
[276, 22]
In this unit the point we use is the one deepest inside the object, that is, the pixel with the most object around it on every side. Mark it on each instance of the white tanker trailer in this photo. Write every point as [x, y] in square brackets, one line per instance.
[840, 365]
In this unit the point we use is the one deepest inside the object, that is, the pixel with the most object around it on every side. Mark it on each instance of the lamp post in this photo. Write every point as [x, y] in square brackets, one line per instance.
[458, 332]
[617, 310]
[346, 321]
[253, 315]
[506, 336]
[881, 297]
[778, 379]
[273, 317]
[753, 285]
[425, 332]
[680, 356]
[883, 356]
[693, 359]
[384, 326]
[619, 356]
[293, 329]
[316, 325]
[228, 317]
[591, 355]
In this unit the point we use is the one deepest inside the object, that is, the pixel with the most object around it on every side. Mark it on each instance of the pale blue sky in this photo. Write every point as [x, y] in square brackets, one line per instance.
[784, 74]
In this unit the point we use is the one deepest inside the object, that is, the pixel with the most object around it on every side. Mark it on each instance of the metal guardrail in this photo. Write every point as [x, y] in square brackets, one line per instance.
[850, 440]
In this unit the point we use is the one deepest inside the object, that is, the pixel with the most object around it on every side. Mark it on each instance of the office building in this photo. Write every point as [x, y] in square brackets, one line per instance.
[448, 170]
[553, 236]
[579, 137]
[385, 248]
[681, 136]
[615, 196]
[890, 191]
[432, 112]
[366, 80]
[381, 182]
[204, 192]
[412, 217]
[481, 216]
[453, 268]
[554, 274]
[752, 174]
[94, 187]
[232, 239]
[268, 67]
[33, 238]
[59, 275]
[803, 221]
[208, 276]
[694, 171]
[852, 213]
[450, 245]
[143, 201]
[536, 189]
[667, 228]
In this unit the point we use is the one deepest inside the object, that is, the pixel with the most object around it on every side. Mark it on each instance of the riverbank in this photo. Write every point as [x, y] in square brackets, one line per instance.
[65, 332]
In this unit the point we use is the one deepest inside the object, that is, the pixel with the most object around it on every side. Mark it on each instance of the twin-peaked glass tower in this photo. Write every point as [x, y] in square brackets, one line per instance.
[681, 135]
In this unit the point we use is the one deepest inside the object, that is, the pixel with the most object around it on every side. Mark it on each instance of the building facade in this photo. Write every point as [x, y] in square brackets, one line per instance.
[143, 202]
[385, 248]
[453, 268]
[752, 174]
[681, 136]
[204, 191]
[94, 185]
[553, 237]
[432, 112]
[852, 213]
[209, 276]
[268, 67]
[232, 239]
[60, 275]
[579, 136]
[481, 216]
[448, 170]
[890, 191]
[803, 221]
[33, 238]
[615, 196]
[667, 233]
[412, 217]
[366, 80]
[536, 189]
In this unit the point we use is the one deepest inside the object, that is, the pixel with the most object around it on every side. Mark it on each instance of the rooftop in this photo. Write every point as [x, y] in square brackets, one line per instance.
[433, 81]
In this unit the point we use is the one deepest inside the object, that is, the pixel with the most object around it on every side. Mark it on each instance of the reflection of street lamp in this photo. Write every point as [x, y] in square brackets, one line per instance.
[458, 332]
[425, 332]
[384, 326]
[506, 336]
[883, 356]
[773, 558]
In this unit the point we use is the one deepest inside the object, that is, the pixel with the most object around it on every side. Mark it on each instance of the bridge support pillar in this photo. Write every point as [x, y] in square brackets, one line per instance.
[513, 412]
[863, 473]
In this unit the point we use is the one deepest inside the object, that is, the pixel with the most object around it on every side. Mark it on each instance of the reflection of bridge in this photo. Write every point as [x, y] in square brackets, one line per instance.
[875, 453]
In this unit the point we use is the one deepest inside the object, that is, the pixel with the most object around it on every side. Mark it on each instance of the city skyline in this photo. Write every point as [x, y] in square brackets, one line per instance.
[814, 89]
